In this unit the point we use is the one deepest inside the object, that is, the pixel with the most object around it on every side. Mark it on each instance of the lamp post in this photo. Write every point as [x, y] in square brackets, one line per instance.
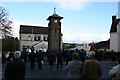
[32, 39]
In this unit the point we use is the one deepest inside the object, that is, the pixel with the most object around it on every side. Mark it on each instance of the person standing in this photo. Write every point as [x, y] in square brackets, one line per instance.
[51, 59]
[91, 68]
[24, 55]
[40, 58]
[59, 59]
[67, 56]
[74, 67]
[114, 73]
[16, 68]
[32, 59]
[3, 58]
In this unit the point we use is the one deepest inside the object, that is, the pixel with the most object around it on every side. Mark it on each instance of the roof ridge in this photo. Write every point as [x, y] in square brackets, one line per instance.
[30, 26]
[25, 29]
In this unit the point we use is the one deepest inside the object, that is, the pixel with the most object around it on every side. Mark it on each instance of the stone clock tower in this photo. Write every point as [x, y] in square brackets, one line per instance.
[54, 32]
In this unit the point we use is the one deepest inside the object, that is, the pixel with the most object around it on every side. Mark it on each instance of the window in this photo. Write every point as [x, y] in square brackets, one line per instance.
[37, 38]
[45, 38]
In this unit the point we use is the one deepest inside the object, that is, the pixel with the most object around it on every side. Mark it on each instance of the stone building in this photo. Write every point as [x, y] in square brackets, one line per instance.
[44, 38]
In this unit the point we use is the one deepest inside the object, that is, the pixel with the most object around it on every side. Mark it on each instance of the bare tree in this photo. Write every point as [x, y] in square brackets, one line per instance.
[5, 24]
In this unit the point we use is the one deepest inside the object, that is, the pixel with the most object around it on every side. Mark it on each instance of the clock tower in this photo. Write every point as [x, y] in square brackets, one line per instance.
[54, 32]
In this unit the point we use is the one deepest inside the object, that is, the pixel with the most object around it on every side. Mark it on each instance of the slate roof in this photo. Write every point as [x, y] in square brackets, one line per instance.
[54, 16]
[114, 25]
[28, 29]
[103, 44]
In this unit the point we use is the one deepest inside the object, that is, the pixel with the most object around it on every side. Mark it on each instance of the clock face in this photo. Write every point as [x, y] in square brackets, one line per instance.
[55, 21]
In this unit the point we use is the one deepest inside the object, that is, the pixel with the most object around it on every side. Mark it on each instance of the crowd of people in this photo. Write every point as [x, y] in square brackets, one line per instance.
[79, 63]
[65, 55]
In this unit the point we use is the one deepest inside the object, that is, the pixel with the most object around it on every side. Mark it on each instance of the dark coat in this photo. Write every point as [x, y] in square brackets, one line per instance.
[51, 56]
[39, 56]
[15, 70]
[59, 55]
[32, 56]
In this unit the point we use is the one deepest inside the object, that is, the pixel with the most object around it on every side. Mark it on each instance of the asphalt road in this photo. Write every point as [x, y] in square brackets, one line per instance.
[46, 73]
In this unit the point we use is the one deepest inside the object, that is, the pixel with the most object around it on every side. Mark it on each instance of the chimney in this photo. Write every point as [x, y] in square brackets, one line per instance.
[113, 18]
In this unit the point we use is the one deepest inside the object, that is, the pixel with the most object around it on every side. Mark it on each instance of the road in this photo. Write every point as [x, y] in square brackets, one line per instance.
[46, 73]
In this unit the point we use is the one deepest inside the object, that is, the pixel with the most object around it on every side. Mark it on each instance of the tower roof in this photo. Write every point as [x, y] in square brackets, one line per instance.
[54, 15]
[114, 25]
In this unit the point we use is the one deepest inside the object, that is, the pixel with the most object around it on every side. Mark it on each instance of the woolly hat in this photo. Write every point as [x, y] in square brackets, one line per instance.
[17, 54]
[91, 54]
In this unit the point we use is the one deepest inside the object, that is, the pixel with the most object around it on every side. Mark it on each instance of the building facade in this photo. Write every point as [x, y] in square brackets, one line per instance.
[115, 34]
[44, 38]
[33, 36]
[119, 9]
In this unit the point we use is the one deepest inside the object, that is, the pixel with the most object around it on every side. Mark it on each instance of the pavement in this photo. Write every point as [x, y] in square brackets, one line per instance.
[46, 73]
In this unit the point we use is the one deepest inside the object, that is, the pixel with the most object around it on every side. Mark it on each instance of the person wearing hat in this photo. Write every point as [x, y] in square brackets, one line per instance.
[74, 67]
[15, 69]
[91, 68]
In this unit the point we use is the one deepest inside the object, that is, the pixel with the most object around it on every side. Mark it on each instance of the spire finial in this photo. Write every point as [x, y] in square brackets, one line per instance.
[54, 10]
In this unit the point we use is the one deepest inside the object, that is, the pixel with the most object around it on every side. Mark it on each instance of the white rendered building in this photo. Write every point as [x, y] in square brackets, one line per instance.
[33, 36]
[115, 34]
[119, 9]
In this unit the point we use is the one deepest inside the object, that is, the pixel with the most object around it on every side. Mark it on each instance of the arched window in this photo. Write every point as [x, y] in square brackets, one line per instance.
[37, 38]
[45, 38]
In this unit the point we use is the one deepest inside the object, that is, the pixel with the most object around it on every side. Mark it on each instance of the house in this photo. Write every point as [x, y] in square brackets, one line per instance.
[33, 36]
[115, 34]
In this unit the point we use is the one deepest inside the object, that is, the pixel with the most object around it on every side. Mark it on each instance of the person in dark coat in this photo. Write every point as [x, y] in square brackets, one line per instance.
[32, 59]
[16, 68]
[3, 57]
[51, 59]
[40, 58]
[82, 55]
[59, 59]
[24, 56]
[11, 56]
[68, 57]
